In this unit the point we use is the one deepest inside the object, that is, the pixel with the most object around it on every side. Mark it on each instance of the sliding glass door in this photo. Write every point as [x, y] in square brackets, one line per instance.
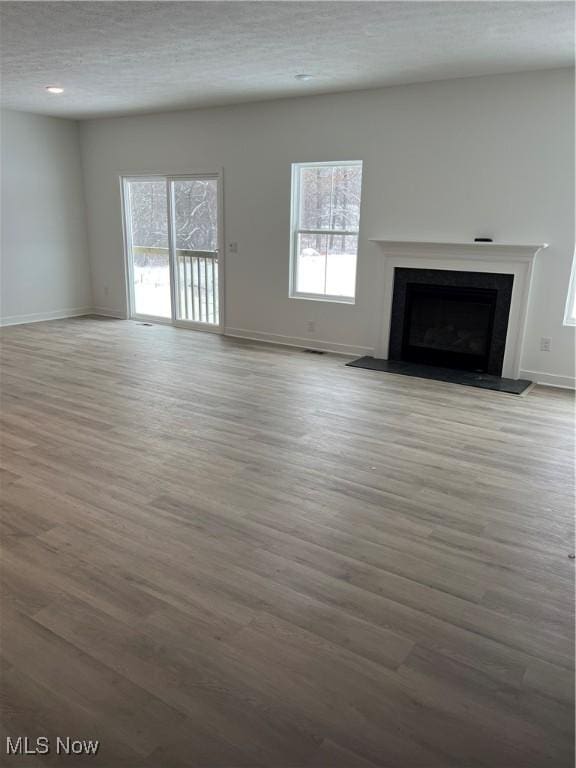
[194, 204]
[147, 225]
[172, 228]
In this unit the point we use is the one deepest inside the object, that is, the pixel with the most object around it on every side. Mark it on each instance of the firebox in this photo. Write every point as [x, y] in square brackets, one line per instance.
[450, 318]
[448, 326]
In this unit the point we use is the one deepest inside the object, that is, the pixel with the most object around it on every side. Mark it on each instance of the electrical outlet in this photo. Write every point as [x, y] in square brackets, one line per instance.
[311, 325]
[545, 344]
[233, 247]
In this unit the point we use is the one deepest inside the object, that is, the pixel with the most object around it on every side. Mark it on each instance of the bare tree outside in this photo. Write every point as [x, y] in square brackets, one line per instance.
[195, 214]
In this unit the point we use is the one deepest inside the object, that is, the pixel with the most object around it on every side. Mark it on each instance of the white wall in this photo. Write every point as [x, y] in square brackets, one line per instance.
[44, 264]
[447, 160]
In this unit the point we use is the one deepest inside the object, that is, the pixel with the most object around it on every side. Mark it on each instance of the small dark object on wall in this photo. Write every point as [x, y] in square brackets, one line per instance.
[314, 351]
[572, 557]
[483, 240]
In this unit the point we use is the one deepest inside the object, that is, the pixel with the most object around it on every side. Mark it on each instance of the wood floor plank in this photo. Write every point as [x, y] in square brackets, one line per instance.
[224, 554]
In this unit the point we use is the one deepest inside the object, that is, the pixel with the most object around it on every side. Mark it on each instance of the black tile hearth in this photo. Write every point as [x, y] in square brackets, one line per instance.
[468, 378]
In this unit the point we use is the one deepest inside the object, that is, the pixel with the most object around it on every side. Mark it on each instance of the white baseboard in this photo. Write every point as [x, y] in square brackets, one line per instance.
[549, 379]
[301, 343]
[39, 317]
[106, 312]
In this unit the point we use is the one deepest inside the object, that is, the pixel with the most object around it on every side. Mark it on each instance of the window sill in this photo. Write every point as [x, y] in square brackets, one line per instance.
[324, 299]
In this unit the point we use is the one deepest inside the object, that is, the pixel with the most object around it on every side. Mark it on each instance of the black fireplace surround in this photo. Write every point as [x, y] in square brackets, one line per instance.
[451, 319]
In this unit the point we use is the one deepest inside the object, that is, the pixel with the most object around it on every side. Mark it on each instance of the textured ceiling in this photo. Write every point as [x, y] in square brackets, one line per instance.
[127, 57]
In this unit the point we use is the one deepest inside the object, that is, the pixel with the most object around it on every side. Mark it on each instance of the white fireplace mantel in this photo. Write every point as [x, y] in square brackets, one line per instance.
[510, 251]
[504, 258]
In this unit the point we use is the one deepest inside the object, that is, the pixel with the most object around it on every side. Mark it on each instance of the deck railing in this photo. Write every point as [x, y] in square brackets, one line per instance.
[196, 284]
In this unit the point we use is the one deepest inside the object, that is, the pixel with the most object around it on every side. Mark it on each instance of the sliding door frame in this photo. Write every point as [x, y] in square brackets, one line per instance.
[131, 314]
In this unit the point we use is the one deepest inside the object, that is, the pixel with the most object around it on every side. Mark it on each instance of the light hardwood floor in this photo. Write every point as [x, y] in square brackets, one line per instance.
[218, 554]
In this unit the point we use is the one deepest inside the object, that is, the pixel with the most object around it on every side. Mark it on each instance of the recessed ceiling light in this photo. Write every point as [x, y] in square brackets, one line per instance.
[303, 76]
[54, 89]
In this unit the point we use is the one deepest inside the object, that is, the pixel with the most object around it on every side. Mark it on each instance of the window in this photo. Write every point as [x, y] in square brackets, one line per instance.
[570, 314]
[325, 222]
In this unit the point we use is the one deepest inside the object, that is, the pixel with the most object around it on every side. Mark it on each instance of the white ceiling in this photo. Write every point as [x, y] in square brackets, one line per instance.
[127, 57]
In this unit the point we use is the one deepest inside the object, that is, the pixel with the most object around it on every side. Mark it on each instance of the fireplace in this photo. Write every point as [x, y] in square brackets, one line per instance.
[450, 318]
[463, 317]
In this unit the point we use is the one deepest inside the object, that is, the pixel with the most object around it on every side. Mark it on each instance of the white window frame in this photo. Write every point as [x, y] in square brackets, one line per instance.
[295, 231]
[570, 311]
